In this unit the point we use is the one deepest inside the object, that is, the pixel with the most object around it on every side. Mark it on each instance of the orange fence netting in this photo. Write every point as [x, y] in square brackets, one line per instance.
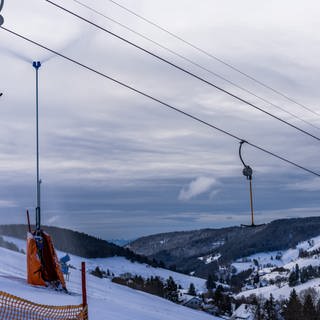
[15, 308]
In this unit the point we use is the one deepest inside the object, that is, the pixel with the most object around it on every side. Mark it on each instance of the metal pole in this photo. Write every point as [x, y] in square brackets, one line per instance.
[37, 65]
[251, 204]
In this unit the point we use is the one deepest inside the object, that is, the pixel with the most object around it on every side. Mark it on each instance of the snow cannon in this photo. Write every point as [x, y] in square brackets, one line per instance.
[43, 267]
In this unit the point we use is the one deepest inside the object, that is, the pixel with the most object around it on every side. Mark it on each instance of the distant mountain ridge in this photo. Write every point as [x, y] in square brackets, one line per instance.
[77, 243]
[186, 251]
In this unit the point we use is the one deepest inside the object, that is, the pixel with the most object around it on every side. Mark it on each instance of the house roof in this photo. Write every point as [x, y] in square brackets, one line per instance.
[245, 312]
[191, 299]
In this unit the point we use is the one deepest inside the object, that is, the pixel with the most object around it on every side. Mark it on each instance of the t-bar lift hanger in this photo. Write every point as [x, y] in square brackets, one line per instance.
[248, 172]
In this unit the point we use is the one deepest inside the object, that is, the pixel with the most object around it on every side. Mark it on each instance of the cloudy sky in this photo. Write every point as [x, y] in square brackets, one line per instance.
[117, 165]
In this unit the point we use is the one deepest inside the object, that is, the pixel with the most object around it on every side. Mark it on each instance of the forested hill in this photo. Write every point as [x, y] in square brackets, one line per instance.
[187, 251]
[77, 243]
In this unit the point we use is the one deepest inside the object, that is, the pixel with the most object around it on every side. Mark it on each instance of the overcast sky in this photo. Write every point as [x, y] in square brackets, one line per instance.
[117, 165]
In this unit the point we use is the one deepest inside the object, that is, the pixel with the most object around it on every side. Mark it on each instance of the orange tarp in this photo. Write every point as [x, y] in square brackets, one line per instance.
[46, 270]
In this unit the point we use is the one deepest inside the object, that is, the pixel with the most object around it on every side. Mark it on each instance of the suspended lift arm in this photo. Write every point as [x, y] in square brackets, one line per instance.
[248, 172]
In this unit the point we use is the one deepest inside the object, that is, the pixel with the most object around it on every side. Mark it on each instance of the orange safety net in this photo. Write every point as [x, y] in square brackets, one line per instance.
[45, 269]
[15, 308]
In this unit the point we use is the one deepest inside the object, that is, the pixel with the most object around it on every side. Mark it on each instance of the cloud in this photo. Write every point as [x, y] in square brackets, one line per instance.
[53, 219]
[7, 204]
[305, 185]
[196, 187]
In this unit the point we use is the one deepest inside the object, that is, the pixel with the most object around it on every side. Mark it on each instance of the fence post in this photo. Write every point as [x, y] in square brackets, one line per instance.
[84, 288]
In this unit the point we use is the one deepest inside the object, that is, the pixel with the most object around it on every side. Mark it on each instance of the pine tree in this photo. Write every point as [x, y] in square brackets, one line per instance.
[269, 309]
[258, 312]
[210, 283]
[226, 306]
[192, 290]
[317, 305]
[293, 280]
[309, 310]
[297, 271]
[97, 272]
[218, 296]
[304, 275]
[293, 309]
[171, 290]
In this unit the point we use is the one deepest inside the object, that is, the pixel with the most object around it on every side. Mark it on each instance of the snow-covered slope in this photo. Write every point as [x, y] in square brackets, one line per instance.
[120, 265]
[106, 300]
[267, 264]
[282, 292]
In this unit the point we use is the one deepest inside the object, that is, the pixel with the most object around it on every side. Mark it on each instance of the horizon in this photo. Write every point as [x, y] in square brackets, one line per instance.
[126, 241]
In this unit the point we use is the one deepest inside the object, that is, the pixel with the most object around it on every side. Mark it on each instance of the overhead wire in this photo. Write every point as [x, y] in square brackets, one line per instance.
[159, 101]
[184, 70]
[194, 63]
[229, 65]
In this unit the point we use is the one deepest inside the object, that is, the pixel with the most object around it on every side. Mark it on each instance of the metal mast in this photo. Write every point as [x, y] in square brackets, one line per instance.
[37, 65]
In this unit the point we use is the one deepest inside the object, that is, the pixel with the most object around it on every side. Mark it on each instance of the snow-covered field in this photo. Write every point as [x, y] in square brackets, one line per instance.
[283, 292]
[106, 300]
[287, 259]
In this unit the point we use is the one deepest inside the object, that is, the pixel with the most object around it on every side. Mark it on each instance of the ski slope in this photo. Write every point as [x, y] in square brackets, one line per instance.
[106, 300]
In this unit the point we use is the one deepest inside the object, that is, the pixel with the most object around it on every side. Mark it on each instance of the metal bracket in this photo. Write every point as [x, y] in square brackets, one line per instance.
[247, 170]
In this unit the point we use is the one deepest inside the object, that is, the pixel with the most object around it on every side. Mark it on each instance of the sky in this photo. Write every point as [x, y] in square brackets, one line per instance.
[119, 166]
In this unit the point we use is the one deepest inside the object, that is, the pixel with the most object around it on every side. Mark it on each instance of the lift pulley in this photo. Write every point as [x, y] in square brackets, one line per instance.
[248, 172]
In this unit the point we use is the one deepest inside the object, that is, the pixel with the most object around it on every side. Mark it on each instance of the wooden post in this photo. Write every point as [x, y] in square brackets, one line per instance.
[28, 218]
[84, 288]
[251, 204]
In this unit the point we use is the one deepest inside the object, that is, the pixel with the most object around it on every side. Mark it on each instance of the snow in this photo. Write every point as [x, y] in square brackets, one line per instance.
[210, 258]
[217, 244]
[120, 265]
[244, 312]
[289, 259]
[106, 300]
[283, 292]
[314, 261]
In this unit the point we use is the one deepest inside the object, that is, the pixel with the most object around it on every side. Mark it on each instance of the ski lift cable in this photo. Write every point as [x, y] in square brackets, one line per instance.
[214, 57]
[159, 101]
[217, 75]
[1, 7]
[184, 70]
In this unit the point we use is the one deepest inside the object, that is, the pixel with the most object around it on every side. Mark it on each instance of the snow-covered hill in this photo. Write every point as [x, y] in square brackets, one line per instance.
[275, 267]
[106, 300]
